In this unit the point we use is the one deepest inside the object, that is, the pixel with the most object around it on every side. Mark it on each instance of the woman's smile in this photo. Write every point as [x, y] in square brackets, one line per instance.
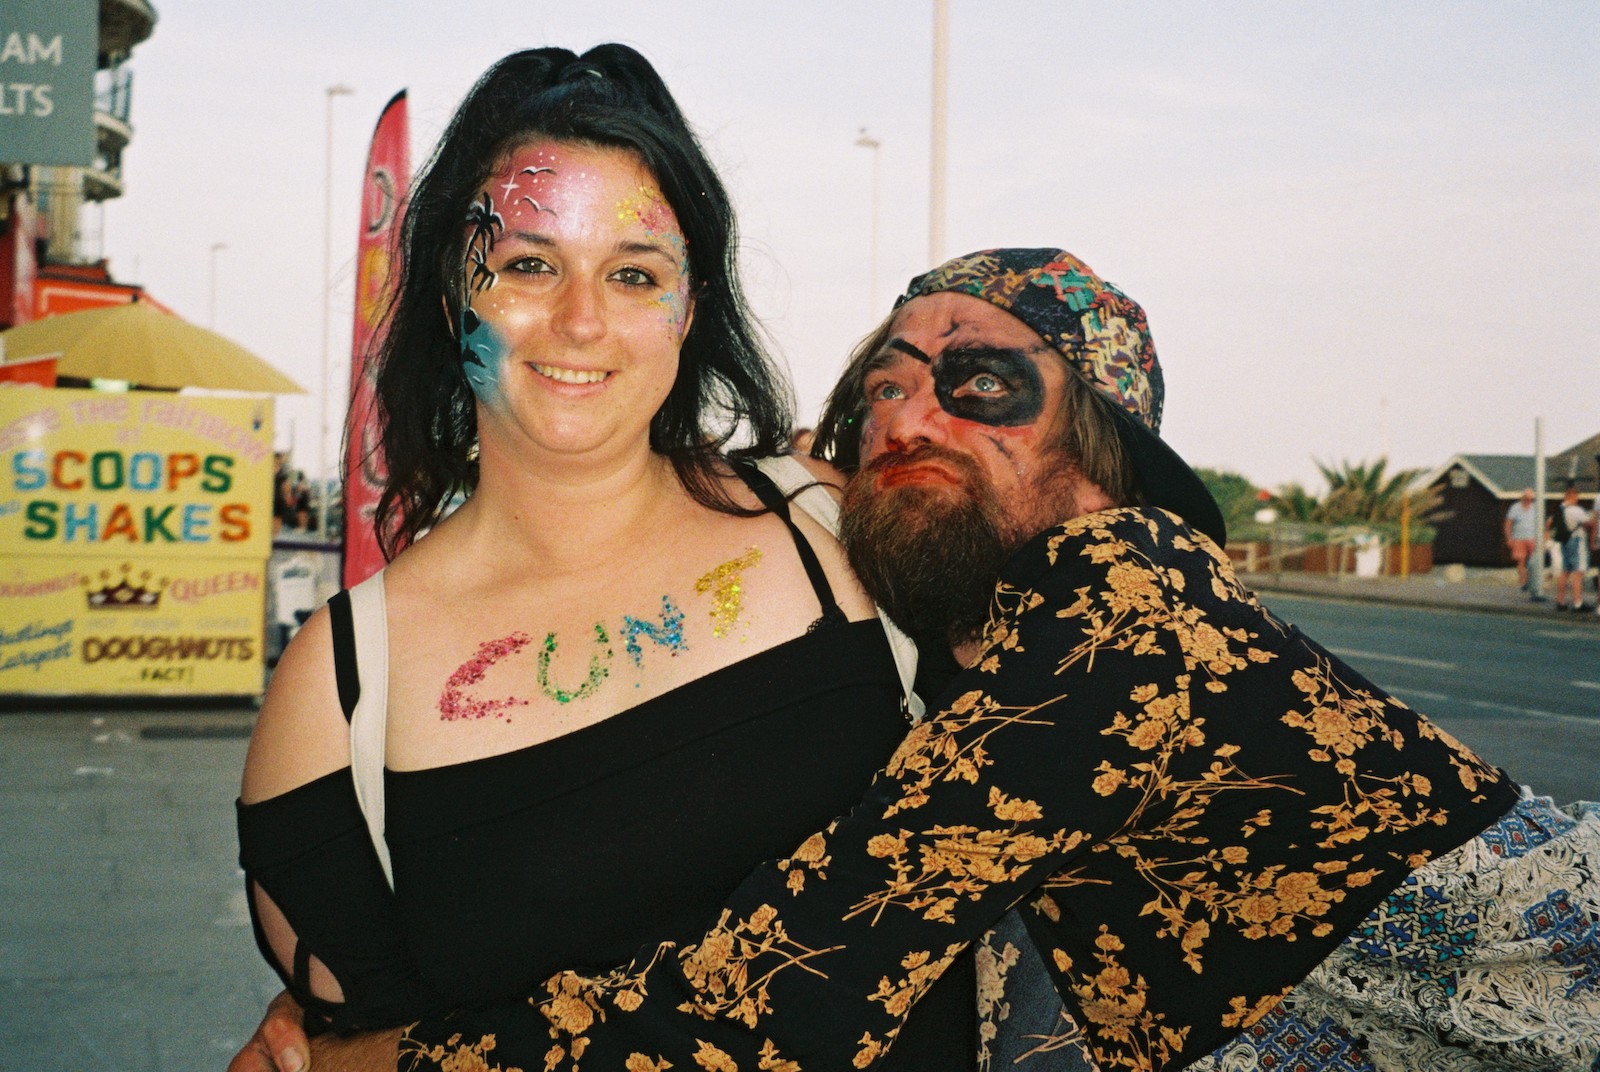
[570, 375]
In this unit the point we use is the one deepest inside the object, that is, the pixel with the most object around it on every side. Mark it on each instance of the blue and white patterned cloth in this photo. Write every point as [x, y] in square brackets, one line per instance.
[1486, 958]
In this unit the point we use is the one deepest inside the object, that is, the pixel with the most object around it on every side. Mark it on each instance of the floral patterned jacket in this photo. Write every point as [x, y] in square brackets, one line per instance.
[1190, 802]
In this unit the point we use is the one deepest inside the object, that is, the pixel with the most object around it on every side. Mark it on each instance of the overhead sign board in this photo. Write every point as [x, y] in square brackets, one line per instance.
[48, 54]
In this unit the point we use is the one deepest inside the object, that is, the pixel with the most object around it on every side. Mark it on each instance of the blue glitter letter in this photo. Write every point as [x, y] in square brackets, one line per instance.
[669, 634]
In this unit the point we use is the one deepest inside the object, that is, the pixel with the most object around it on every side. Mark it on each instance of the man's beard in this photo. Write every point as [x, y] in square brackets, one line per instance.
[930, 556]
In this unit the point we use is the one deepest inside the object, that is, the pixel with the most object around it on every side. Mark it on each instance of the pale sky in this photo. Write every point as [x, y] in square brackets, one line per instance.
[1356, 227]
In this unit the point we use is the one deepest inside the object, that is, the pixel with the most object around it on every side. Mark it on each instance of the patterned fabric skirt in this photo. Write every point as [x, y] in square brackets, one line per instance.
[1487, 958]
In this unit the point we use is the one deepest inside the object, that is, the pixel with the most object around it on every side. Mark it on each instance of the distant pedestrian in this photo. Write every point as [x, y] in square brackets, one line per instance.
[1570, 526]
[1522, 532]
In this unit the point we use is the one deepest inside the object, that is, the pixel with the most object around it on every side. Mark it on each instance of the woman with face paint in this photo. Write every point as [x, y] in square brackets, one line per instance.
[595, 682]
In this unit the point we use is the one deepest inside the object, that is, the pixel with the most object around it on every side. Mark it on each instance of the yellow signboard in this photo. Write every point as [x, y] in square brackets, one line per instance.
[134, 533]
[137, 473]
[155, 625]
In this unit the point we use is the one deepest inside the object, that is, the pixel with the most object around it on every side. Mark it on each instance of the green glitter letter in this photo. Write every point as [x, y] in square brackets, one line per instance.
[599, 668]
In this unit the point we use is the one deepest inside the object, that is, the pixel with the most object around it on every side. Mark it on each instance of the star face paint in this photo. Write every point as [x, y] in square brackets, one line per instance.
[573, 288]
[650, 210]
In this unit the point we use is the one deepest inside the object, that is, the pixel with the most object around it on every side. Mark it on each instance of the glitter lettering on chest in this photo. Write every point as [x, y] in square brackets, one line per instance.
[599, 668]
[725, 585]
[453, 705]
[669, 634]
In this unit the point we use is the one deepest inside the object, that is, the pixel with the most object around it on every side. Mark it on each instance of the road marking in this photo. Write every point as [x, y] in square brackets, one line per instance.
[1406, 660]
[1565, 634]
[1438, 697]
[1532, 712]
[1587, 684]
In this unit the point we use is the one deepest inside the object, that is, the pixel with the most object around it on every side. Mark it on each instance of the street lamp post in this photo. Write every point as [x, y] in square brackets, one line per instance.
[866, 141]
[941, 65]
[211, 306]
[333, 91]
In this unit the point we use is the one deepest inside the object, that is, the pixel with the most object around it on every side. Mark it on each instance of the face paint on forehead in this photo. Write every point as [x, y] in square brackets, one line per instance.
[525, 186]
[1019, 403]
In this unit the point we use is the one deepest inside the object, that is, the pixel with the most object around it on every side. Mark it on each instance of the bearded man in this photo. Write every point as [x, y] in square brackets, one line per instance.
[1216, 843]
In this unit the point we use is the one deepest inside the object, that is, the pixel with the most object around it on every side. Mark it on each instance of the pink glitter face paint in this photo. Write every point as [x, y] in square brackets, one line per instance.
[454, 705]
[726, 588]
[528, 188]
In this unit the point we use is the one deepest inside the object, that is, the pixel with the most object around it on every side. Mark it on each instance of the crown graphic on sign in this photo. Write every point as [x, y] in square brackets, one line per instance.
[125, 592]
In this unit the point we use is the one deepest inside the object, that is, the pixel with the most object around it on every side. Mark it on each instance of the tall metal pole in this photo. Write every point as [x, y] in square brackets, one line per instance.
[211, 307]
[866, 141]
[1536, 565]
[941, 63]
[340, 90]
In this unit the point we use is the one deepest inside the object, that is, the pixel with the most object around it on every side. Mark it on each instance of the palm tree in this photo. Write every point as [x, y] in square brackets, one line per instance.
[1294, 503]
[1365, 491]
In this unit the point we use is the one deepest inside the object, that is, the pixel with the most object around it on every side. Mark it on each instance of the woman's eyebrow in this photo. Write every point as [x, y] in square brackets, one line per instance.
[531, 237]
[647, 247]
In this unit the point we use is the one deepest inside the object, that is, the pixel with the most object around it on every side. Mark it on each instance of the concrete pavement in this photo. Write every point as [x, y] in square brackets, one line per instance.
[1489, 591]
[124, 943]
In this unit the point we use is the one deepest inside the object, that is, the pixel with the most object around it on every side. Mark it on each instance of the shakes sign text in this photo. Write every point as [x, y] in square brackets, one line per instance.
[90, 472]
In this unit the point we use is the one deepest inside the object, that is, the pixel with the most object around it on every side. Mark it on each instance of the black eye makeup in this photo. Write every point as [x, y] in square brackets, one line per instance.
[994, 386]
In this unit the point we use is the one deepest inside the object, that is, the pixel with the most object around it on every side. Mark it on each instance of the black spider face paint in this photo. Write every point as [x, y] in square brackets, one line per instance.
[997, 386]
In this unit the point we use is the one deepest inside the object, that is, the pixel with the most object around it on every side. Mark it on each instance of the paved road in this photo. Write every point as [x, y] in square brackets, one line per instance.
[1524, 693]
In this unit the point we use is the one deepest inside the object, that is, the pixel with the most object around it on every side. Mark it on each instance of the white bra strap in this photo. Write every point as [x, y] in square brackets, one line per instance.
[369, 722]
[788, 474]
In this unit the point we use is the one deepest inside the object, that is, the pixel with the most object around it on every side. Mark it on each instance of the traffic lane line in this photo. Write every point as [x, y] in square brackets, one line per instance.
[1509, 709]
[1403, 660]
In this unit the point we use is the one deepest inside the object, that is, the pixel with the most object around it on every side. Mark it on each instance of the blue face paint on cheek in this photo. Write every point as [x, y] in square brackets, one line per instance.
[482, 352]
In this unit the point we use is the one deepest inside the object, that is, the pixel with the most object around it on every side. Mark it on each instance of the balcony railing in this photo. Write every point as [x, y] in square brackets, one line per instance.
[113, 92]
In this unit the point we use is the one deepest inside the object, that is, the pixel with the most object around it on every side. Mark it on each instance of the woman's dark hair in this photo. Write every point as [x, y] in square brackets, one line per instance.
[610, 96]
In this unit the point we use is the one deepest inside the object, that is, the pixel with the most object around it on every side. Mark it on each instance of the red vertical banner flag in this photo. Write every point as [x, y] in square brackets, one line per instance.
[383, 198]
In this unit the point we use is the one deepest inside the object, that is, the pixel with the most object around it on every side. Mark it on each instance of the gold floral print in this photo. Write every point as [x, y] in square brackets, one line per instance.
[723, 969]
[1114, 1003]
[1342, 721]
[1191, 803]
[452, 1055]
[897, 996]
